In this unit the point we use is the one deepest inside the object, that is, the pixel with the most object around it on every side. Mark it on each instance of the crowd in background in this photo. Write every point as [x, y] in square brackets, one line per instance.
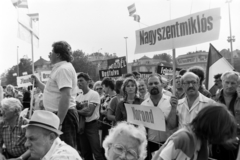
[89, 111]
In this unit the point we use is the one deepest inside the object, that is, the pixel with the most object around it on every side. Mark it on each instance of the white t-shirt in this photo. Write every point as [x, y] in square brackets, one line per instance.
[182, 145]
[63, 75]
[165, 106]
[91, 97]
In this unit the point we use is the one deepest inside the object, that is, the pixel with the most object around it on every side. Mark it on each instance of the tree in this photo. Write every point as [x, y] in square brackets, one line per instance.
[163, 56]
[25, 65]
[81, 64]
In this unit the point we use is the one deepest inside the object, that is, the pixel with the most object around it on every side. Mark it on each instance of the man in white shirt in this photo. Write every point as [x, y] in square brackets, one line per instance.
[88, 106]
[43, 138]
[168, 106]
[193, 102]
[60, 91]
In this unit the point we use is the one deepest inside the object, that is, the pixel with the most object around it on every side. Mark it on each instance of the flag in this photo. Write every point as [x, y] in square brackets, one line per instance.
[20, 3]
[136, 17]
[25, 29]
[216, 63]
[23, 4]
[131, 9]
[16, 2]
[34, 16]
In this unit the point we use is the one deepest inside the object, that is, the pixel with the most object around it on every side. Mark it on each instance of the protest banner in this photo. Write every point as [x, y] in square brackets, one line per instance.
[181, 32]
[118, 63]
[110, 73]
[25, 81]
[163, 70]
[145, 74]
[150, 117]
[45, 76]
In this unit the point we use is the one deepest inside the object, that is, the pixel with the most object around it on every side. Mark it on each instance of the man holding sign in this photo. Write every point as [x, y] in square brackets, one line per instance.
[168, 106]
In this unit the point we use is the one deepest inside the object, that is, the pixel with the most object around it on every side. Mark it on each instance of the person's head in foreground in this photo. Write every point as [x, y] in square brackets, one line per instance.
[41, 132]
[126, 142]
[214, 124]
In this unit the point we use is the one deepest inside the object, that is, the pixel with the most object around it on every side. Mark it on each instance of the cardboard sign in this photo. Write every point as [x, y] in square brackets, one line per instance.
[163, 70]
[145, 74]
[181, 32]
[45, 75]
[150, 117]
[110, 73]
[25, 81]
[118, 63]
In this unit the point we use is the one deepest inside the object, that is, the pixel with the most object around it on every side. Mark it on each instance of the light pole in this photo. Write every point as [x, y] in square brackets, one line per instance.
[17, 63]
[126, 49]
[231, 38]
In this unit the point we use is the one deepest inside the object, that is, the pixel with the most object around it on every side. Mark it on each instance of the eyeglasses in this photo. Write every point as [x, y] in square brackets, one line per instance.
[129, 154]
[98, 88]
[190, 82]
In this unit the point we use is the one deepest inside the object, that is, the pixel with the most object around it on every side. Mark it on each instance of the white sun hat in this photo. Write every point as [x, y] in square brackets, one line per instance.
[46, 120]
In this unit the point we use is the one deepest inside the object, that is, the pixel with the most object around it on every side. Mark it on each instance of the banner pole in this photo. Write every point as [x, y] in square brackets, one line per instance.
[174, 71]
[31, 105]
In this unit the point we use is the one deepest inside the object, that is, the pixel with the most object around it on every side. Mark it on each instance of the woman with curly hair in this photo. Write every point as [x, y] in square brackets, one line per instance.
[129, 89]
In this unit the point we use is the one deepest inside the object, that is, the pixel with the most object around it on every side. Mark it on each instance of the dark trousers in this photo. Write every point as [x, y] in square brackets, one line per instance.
[70, 128]
[90, 143]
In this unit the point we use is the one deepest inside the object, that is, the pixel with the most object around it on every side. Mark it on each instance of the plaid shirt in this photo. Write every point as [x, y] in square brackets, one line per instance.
[13, 137]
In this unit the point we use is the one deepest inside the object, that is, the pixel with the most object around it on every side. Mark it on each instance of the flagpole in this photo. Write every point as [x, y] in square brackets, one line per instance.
[174, 71]
[31, 105]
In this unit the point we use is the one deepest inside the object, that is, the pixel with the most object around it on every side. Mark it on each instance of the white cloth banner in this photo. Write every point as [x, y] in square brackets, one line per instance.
[150, 117]
[181, 32]
[25, 81]
[45, 76]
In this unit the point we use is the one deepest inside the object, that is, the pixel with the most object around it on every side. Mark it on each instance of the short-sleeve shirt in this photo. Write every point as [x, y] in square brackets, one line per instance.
[62, 75]
[182, 145]
[165, 106]
[61, 151]
[13, 137]
[186, 115]
[90, 97]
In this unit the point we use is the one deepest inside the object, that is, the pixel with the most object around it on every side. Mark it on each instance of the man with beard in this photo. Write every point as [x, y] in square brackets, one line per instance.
[193, 102]
[168, 106]
[228, 96]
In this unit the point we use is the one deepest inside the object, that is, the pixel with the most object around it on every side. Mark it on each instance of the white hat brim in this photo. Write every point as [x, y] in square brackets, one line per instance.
[45, 127]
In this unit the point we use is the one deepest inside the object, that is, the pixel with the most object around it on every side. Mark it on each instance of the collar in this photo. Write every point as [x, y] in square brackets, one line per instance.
[54, 146]
[56, 65]
[201, 98]
[164, 97]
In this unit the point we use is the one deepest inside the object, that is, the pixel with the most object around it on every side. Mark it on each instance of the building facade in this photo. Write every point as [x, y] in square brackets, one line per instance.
[198, 58]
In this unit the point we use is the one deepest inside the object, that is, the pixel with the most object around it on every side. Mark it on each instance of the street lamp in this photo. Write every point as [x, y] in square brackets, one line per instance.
[17, 63]
[126, 49]
[231, 38]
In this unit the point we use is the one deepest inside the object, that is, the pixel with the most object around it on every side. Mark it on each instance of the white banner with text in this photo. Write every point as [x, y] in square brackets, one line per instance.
[25, 81]
[181, 32]
[150, 117]
[45, 76]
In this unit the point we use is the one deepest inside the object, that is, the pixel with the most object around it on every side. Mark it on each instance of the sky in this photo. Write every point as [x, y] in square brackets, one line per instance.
[101, 25]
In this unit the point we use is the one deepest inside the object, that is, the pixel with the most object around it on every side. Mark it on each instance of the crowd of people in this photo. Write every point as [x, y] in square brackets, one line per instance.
[74, 118]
